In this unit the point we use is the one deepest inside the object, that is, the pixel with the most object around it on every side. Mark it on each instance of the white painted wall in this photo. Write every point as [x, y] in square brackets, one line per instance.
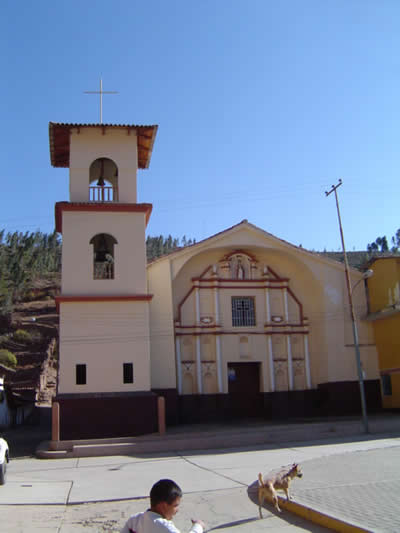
[90, 144]
[129, 254]
[163, 371]
[104, 335]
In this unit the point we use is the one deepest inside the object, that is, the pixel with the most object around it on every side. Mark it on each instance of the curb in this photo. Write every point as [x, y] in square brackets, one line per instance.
[320, 518]
[304, 511]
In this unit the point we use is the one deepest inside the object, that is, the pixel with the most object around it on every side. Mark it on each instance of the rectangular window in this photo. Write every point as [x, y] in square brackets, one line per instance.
[386, 384]
[243, 313]
[128, 372]
[81, 374]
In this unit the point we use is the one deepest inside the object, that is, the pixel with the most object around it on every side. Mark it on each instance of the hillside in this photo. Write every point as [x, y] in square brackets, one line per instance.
[33, 338]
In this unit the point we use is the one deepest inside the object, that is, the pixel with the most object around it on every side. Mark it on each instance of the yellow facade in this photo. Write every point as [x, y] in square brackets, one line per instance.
[384, 307]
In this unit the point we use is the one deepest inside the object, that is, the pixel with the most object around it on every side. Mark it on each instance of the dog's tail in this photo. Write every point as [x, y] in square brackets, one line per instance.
[260, 480]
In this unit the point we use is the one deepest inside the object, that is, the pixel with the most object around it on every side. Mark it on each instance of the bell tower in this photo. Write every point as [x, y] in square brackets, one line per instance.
[104, 364]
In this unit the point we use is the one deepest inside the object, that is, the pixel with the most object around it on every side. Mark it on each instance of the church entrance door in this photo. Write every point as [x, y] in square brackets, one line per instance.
[244, 389]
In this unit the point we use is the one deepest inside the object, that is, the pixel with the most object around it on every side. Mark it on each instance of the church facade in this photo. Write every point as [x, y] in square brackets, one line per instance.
[242, 324]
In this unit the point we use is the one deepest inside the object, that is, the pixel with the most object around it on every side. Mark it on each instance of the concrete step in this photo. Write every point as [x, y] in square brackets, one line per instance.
[219, 436]
[45, 453]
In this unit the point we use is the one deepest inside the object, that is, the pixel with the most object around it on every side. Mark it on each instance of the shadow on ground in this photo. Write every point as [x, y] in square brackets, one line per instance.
[24, 439]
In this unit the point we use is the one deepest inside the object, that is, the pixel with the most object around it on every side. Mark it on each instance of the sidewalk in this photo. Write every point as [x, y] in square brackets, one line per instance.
[351, 481]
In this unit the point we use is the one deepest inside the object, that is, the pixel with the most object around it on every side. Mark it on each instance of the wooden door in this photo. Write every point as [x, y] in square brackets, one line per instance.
[244, 389]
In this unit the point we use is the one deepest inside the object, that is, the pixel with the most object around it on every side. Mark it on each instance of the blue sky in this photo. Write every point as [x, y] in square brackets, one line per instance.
[261, 106]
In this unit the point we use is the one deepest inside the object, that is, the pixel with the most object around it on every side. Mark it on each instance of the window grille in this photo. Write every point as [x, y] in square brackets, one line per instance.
[243, 313]
[81, 374]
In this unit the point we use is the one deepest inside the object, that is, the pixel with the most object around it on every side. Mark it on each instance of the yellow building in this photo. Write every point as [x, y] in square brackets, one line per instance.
[384, 313]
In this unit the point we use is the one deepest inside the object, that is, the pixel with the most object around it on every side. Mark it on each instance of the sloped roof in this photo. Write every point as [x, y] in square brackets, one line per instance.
[59, 138]
[245, 223]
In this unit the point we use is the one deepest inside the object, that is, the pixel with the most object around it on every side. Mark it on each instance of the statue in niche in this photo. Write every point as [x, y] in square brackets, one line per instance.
[240, 269]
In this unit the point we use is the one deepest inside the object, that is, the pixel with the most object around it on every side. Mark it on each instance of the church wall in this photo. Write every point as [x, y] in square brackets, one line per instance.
[255, 351]
[319, 286]
[129, 254]
[188, 310]
[90, 144]
[163, 372]
[182, 278]
[226, 308]
[103, 336]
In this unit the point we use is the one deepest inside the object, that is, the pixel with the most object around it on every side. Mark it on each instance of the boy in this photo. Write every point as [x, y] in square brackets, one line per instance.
[165, 497]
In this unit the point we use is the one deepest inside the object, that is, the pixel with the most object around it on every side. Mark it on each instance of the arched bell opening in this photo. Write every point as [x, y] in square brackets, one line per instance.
[103, 256]
[103, 180]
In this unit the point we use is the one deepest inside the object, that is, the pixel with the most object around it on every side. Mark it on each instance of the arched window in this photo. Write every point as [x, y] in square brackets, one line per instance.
[103, 256]
[103, 181]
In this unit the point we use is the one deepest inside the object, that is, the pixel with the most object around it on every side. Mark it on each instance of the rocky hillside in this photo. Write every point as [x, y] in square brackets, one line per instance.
[33, 339]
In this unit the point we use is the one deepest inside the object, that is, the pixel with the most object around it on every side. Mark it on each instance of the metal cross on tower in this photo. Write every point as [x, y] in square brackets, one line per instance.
[101, 92]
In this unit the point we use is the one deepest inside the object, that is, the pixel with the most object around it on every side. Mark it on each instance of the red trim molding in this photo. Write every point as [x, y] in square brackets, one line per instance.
[99, 207]
[265, 333]
[95, 298]
[390, 371]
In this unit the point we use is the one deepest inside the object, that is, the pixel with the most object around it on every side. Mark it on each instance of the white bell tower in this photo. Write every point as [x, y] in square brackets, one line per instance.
[104, 366]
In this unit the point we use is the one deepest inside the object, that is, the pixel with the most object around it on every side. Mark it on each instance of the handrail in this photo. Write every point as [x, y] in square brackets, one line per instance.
[103, 270]
[103, 194]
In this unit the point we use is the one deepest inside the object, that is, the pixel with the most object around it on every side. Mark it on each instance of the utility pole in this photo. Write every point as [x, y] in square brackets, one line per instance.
[353, 318]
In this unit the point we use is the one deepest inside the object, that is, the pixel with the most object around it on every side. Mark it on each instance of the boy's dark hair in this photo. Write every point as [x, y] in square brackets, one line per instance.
[164, 490]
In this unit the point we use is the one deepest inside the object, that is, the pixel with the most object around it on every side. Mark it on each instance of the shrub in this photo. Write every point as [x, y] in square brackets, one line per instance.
[22, 336]
[7, 358]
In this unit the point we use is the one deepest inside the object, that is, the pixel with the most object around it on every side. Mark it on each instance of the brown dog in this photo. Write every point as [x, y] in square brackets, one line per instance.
[278, 480]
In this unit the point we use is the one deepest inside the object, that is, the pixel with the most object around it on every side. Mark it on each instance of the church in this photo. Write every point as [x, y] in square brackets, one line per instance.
[242, 324]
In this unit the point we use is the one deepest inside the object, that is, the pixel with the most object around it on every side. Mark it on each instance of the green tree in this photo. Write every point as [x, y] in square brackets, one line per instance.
[379, 245]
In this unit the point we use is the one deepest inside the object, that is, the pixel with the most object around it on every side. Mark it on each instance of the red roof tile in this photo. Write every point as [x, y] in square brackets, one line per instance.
[59, 137]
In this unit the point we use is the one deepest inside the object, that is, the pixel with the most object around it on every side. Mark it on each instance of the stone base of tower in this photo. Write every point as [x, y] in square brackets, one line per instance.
[107, 415]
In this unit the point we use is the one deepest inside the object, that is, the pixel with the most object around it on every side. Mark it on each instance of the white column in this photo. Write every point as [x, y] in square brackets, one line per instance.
[178, 364]
[216, 304]
[290, 362]
[219, 362]
[271, 364]
[198, 365]
[197, 305]
[267, 305]
[307, 362]
[286, 305]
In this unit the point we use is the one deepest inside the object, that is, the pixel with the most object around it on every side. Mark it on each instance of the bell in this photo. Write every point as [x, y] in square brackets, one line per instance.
[100, 181]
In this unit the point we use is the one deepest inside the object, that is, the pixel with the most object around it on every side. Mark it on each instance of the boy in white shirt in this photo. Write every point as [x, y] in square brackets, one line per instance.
[165, 497]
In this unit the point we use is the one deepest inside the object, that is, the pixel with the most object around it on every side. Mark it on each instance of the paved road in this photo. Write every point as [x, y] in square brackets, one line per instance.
[358, 480]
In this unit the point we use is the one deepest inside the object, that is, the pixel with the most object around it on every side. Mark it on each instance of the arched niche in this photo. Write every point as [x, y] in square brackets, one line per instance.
[103, 255]
[103, 180]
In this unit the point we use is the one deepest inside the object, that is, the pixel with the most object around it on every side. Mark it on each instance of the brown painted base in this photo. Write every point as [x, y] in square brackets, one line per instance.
[90, 416]
[329, 399]
[86, 416]
[171, 404]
